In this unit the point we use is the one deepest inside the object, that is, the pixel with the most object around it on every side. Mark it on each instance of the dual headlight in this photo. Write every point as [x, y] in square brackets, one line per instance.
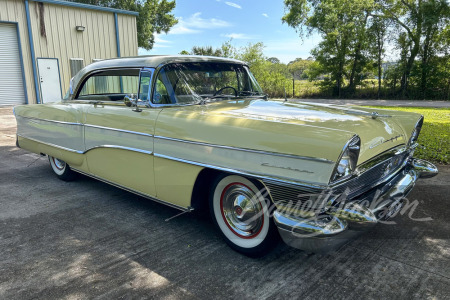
[347, 161]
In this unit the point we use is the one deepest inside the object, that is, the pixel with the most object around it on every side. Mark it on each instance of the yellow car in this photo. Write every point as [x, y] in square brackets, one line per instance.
[199, 133]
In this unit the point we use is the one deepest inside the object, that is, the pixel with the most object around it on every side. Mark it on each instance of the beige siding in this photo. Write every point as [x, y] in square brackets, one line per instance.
[127, 35]
[62, 41]
[14, 11]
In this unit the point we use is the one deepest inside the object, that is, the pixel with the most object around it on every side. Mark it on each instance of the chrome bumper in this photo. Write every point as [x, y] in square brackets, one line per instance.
[339, 224]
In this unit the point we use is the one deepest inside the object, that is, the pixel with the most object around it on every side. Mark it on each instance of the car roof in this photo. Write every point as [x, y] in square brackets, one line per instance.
[149, 61]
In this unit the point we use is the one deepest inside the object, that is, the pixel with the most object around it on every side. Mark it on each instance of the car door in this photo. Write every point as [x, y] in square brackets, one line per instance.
[118, 138]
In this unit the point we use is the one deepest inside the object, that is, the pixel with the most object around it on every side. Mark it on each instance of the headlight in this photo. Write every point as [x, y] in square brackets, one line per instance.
[347, 161]
[416, 132]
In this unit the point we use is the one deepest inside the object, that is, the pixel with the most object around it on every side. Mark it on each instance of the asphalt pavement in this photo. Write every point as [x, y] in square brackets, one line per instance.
[88, 240]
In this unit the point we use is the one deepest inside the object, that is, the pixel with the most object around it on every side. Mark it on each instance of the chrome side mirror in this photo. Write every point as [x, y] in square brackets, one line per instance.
[131, 100]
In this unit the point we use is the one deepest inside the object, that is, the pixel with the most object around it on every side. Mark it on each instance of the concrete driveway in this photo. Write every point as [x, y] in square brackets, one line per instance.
[86, 239]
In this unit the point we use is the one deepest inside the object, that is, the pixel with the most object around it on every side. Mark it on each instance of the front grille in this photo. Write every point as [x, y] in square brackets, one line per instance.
[289, 197]
[372, 177]
[292, 198]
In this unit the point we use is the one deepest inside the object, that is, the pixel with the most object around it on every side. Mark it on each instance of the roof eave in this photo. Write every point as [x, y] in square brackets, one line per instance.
[89, 6]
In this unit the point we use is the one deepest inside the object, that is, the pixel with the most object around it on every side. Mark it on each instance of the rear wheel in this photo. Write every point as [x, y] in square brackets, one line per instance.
[61, 169]
[242, 215]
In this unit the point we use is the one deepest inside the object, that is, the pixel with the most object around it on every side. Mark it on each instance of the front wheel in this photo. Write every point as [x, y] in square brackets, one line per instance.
[241, 213]
[61, 169]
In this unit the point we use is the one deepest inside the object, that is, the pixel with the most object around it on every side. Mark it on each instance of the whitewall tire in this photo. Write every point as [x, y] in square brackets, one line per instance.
[61, 169]
[241, 212]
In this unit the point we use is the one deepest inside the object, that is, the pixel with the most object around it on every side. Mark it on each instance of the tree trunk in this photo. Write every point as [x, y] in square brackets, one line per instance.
[293, 86]
[379, 74]
[351, 85]
[339, 79]
[415, 50]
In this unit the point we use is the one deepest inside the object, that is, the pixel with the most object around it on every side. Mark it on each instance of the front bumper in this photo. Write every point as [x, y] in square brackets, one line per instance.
[342, 222]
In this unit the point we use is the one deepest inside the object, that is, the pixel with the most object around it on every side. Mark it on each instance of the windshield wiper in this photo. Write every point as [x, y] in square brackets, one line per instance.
[211, 98]
[250, 93]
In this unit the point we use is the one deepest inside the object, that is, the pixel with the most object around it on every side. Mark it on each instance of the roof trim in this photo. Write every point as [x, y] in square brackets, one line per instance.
[88, 6]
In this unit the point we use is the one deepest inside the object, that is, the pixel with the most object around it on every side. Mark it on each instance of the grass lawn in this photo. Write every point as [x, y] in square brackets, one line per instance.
[434, 139]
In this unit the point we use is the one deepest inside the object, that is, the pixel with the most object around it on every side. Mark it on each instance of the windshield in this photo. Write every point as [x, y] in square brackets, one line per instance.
[192, 83]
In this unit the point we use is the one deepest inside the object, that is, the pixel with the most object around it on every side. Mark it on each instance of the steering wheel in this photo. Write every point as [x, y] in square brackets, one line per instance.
[226, 87]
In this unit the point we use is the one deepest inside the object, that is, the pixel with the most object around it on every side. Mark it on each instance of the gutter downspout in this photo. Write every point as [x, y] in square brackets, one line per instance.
[33, 56]
[116, 21]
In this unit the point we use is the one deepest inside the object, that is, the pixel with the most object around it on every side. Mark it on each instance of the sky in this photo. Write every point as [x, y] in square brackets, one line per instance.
[212, 22]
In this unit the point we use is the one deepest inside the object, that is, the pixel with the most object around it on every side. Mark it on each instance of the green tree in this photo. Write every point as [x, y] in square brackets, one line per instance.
[378, 31]
[297, 70]
[298, 67]
[203, 50]
[154, 16]
[343, 27]
[274, 60]
[420, 20]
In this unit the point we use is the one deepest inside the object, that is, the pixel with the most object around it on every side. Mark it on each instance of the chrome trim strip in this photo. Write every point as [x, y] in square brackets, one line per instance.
[52, 121]
[88, 125]
[323, 160]
[420, 121]
[254, 175]
[188, 209]
[120, 147]
[330, 182]
[310, 185]
[119, 130]
[51, 145]
[83, 152]
[382, 157]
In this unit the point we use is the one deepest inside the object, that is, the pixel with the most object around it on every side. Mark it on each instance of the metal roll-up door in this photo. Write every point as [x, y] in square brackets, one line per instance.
[11, 80]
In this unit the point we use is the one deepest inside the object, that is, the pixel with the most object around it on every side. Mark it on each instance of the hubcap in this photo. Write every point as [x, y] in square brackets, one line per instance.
[241, 210]
[59, 164]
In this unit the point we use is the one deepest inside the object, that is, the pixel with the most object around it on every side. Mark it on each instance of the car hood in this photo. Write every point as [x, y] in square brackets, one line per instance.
[313, 130]
[377, 132]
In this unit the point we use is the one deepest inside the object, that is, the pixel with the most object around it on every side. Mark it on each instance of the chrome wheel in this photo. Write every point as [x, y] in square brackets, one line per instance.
[241, 210]
[241, 213]
[59, 164]
[61, 169]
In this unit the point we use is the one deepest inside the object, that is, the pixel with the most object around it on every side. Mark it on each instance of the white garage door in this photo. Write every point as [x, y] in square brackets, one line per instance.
[11, 85]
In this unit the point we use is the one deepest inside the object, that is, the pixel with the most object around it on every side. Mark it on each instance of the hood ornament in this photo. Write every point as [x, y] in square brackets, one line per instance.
[374, 115]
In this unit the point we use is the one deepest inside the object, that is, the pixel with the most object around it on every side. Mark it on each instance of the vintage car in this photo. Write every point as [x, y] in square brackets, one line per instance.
[198, 133]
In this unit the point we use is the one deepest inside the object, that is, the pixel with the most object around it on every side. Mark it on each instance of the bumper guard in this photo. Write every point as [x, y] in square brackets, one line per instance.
[338, 225]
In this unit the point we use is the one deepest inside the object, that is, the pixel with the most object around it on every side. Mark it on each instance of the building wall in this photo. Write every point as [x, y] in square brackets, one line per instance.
[63, 41]
[128, 35]
[14, 11]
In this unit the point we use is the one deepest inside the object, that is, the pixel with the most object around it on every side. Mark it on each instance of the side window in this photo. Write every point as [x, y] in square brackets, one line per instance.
[110, 85]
